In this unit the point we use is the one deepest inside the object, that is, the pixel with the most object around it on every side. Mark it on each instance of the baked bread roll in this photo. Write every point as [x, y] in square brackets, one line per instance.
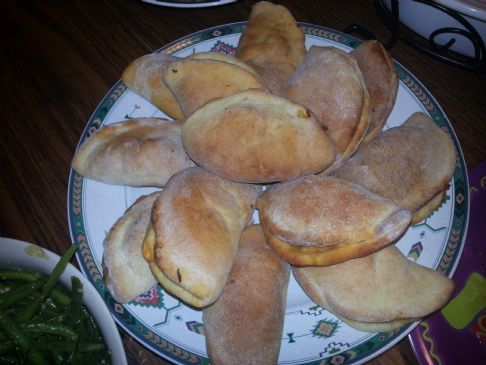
[411, 164]
[223, 57]
[144, 77]
[197, 221]
[272, 43]
[254, 297]
[318, 220]
[384, 290]
[135, 152]
[381, 79]
[377, 326]
[329, 83]
[257, 137]
[125, 271]
[195, 81]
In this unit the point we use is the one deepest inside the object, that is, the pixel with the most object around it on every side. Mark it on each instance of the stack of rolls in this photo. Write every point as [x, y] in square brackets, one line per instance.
[297, 135]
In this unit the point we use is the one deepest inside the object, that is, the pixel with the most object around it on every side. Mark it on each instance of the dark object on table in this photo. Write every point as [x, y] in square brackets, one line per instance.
[391, 18]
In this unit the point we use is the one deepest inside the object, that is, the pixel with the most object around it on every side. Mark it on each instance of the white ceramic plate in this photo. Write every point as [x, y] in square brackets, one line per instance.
[190, 4]
[425, 19]
[23, 255]
[311, 335]
[473, 8]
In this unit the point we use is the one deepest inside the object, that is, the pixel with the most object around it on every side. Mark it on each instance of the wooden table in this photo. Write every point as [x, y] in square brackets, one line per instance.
[59, 58]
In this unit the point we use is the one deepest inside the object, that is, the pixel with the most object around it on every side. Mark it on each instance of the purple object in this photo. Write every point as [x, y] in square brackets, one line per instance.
[457, 333]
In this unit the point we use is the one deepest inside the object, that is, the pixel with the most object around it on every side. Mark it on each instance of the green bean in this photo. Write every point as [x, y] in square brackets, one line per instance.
[49, 285]
[19, 293]
[47, 310]
[28, 312]
[36, 357]
[7, 360]
[59, 319]
[6, 346]
[13, 331]
[69, 346]
[76, 291]
[53, 329]
[60, 297]
[93, 333]
[4, 288]
[21, 340]
[26, 301]
[90, 346]
[76, 315]
[19, 275]
[52, 305]
[53, 344]
[42, 322]
[57, 357]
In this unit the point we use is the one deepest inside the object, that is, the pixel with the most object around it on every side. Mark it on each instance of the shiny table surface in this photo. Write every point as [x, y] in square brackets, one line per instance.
[59, 58]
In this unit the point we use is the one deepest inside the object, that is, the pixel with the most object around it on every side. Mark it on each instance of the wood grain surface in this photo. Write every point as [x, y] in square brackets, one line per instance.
[59, 58]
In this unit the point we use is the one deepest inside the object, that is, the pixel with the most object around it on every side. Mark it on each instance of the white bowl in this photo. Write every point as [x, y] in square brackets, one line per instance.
[424, 19]
[472, 8]
[23, 255]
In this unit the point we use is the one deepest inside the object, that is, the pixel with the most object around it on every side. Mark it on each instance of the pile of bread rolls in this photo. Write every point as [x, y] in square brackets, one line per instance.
[297, 135]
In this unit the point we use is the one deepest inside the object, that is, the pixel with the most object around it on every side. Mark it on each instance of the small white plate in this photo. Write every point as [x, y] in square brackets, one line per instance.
[23, 255]
[190, 4]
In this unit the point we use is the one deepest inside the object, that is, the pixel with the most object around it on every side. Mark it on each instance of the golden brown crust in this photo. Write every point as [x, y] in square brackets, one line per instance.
[381, 287]
[125, 270]
[318, 256]
[409, 164]
[254, 297]
[144, 77]
[254, 136]
[223, 57]
[318, 220]
[381, 79]
[325, 211]
[377, 326]
[135, 152]
[422, 213]
[195, 81]
[198, 219]
[272, 43]
[330, 84]
[170, 286]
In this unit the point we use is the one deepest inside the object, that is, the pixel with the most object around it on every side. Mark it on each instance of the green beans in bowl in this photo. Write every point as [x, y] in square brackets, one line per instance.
[50, 313]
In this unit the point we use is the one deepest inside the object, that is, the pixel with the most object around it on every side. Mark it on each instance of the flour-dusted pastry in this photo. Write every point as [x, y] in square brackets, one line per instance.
[134, 152]
[125, 271]
[257, 137]
[144, 77]
[244, 326]
[330, 84]
[411, 164]
[272, 43]
[223, 57]
[195, 81]
[318, 220]
[381, 79]
[378, 292]
[377, 326]
[197, 222]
